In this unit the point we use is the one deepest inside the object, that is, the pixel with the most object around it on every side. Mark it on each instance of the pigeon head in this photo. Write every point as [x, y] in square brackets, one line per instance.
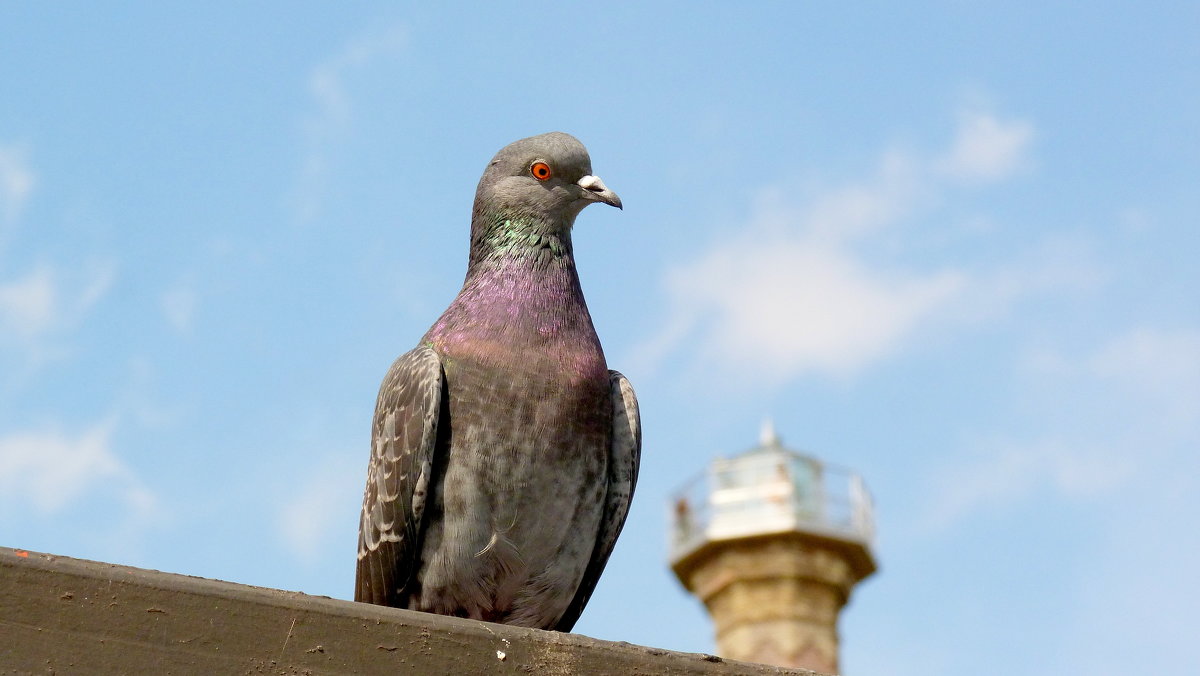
[546, 178]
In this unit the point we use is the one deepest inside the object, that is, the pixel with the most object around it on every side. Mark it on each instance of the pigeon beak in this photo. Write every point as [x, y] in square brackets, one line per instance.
[595, 190]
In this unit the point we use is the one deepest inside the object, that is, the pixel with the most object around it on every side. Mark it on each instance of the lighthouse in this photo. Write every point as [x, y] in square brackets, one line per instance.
[773, 541]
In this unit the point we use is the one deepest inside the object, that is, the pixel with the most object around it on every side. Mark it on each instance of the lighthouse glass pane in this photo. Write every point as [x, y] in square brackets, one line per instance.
[769, 491]
[762, 492]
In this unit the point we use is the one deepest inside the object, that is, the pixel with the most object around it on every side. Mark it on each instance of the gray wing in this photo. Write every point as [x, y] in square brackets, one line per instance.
[403, 442]
[624, 457]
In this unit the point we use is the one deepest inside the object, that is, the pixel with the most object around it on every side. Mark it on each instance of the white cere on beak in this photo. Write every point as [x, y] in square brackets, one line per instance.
[592, 183]
[601, 193]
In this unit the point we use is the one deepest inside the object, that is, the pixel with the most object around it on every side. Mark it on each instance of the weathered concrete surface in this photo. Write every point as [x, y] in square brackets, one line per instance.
[62, 615]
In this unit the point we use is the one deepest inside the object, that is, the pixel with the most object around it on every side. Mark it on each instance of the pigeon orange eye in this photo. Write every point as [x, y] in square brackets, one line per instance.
[540, 170]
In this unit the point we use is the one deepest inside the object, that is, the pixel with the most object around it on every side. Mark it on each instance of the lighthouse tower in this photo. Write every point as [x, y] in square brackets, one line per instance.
[772, 541]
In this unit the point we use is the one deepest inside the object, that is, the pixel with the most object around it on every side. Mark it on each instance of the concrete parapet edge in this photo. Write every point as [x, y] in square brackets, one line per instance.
[64, 615]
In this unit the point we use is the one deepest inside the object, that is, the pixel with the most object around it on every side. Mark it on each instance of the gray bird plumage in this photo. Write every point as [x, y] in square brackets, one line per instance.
[504, 452]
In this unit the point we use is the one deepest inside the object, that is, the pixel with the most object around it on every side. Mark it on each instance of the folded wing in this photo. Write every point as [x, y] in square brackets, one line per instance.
[403, 443]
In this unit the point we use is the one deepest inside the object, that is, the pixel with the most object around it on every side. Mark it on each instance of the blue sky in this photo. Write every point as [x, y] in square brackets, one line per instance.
[951, 246]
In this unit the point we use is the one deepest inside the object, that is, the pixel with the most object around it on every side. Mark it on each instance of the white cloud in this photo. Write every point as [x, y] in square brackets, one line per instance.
[1162, 361]
[1054, 265]
[38, 311]
[326, 82]
[179, 306]
[1159, 367]
[333, 108]
[27, 306]
[52, 470]
[1148, 373]
[98, 279]
[1008, 474]
[1131, 596]
[1119, 413]
[852, 211]
[318, 508]
[779, 308]
[16, 182]
[794, 291]
[986, 148]
[37, 304]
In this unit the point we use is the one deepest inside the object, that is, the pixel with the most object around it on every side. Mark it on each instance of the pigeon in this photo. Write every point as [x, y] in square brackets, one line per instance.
[504, 452]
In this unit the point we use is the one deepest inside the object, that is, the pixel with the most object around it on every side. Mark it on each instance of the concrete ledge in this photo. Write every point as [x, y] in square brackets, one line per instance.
[63, 615]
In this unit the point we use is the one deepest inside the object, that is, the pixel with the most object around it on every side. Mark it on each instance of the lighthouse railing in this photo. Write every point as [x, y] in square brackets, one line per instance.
[768, 492]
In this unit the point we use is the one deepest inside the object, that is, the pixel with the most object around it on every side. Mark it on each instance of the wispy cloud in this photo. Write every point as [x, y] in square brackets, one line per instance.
[793, 289]
[38, 312]
[28, 305]
[16, 182]
[1056, 264]
[1158, 363]
[1119, 412]
[43, 299]
[986, 148]
[1153, 370]
[179, 306]
[42, 302]
[1005, 474]
[53, 470]
[780, 306]
[332, 109]
[319, 507]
